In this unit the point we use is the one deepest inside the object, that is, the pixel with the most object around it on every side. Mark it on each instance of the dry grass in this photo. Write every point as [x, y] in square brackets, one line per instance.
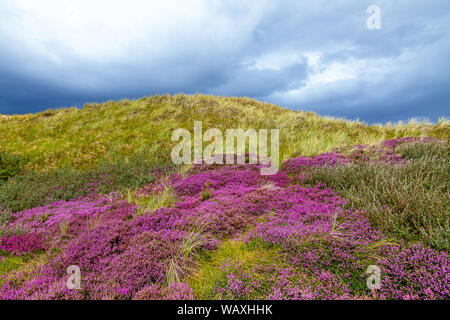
[410, 201]
[116, 130]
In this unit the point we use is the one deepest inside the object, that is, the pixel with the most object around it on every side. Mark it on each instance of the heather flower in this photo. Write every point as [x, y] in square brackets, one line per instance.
[415, 272]
[22, 244]
[323, 248]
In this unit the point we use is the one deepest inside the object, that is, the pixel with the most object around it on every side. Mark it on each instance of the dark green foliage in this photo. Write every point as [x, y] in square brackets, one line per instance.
[32, 189]
[10, 165]
[410, 200]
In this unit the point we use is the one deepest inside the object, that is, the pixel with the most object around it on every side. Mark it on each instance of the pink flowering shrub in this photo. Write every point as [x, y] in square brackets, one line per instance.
[22, 244]
[269, 281]
[63, 218]
[228, 177]
[414, 272]
[386, 151]
[296, 165]
[175, 291]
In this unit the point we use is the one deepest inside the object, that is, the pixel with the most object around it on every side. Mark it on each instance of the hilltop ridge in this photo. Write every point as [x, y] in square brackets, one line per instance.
[80, 138]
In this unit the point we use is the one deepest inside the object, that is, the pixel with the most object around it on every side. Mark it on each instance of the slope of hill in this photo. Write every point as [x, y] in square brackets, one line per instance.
[112, 130]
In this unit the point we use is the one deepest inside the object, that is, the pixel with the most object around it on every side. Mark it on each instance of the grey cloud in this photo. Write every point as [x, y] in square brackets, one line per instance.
[195, 63]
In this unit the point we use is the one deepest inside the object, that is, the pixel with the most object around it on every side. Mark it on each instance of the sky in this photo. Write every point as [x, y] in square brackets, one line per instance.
[335, 58]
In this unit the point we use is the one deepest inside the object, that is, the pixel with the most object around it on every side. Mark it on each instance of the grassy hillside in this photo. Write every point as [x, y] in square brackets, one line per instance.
[114, 130]
[96, 188]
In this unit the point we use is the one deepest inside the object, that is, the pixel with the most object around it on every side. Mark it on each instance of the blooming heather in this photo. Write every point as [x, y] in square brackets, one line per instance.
[22, 244]
[323, 247]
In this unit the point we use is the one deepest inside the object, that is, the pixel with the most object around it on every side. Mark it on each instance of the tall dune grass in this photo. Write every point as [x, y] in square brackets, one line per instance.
[69, 137]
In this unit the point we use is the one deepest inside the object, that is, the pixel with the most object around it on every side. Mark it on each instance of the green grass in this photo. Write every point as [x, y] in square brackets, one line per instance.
[25, 264]
[115, 130]
[148, 203]
[410, 201]
[32, 189]
[186, 259]
[209, 272]
[11, 263]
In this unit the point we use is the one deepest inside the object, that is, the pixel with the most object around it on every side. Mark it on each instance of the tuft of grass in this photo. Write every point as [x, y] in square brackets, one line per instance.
[209, 272]
[410, 201]
[174, 270]
[183, 262]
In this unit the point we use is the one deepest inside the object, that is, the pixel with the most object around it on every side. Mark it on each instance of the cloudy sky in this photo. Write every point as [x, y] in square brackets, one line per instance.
[309, 55]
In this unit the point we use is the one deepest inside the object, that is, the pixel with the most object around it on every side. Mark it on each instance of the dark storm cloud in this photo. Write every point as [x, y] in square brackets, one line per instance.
[317, 56]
